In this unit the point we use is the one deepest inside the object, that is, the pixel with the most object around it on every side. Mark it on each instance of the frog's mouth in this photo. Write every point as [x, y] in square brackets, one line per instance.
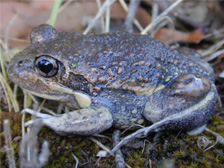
[82, 99]
[63, 93]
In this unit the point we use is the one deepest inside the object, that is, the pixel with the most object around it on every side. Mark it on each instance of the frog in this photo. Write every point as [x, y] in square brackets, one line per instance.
[122, 80]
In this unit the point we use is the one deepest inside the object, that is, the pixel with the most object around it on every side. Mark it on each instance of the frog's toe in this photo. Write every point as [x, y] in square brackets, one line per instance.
[188, 101]
[86, 121]
[197, 130]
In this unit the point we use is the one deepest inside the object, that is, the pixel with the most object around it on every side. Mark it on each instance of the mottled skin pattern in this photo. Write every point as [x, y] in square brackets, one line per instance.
[119, 71]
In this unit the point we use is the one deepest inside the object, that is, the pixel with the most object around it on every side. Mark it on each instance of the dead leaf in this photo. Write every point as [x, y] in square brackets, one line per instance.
[76, 16]
[195, 36]
[73, 17]
[166, 35]
[14, 18]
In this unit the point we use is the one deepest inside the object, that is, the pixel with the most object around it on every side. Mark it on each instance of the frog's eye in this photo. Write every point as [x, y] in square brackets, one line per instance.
[46, 66]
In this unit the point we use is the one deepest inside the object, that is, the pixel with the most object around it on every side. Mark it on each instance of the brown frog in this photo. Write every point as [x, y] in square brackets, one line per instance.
[117, 79]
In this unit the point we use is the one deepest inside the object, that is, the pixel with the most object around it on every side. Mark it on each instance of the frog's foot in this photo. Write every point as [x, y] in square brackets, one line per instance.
[185, 104]
[86, 121]
[197, 130]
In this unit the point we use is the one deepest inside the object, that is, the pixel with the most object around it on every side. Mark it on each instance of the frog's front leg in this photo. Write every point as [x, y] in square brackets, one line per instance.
[188, 101]
[88, 121]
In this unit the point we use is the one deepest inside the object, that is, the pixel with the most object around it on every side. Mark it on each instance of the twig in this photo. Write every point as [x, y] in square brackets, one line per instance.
[100, 144]
[155, 11]
[28, 148]
[98, 15]
[104, 148]
[160, 17]
[119, 159]
[219, 138]
[133, 6]
[76, 159]
[214, 55]
[215, 34]
[8, 145]
[164, 21]
[212, 49]
[108, 18]
[125, 7]
[101, 18]
[178, 14]
[44, 154]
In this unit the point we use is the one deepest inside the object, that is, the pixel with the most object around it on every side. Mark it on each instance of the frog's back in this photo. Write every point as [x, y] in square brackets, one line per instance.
[132, 62]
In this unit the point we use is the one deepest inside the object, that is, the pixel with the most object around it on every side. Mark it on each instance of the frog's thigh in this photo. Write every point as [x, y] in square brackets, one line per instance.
[86, 121]
[188, 103]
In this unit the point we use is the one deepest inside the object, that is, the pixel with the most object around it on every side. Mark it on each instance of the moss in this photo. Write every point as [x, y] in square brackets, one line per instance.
[16, 126]
[187, 140]
[104, 165]
[136, 160]
[62, 159]
[217, 120]
[182, 149]
[14, 146]
[179, 154]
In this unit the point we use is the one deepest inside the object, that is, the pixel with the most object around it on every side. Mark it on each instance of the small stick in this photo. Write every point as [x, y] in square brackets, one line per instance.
[131, 15]
[98, 15]
[8, 146]
[158, 19]
[125, 7]
[108, 18]
[119, 159]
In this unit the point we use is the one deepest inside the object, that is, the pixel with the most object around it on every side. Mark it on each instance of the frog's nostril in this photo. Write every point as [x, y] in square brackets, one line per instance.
[21, 61]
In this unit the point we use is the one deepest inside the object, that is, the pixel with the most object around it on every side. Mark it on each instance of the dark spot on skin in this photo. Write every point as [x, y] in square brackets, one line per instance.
[77, 82]
[187, 81]
[102, 67]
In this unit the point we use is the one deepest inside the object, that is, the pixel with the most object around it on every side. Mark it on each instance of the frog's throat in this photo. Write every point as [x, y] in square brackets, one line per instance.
[82, 99]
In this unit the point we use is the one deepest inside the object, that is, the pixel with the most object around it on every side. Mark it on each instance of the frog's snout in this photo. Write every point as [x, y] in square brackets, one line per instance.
[18, 70]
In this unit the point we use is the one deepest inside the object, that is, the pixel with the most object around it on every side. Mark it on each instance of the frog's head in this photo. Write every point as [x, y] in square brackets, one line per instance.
[43, 70]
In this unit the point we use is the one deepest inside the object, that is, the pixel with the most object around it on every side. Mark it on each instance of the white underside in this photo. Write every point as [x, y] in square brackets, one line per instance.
[197, 130]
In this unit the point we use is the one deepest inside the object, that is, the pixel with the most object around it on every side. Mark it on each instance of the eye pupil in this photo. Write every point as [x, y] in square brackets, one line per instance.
[45, 66]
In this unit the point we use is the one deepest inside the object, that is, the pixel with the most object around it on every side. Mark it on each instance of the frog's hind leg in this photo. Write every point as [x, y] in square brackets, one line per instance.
[185, 104]
[190, 99]
[86, 121]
